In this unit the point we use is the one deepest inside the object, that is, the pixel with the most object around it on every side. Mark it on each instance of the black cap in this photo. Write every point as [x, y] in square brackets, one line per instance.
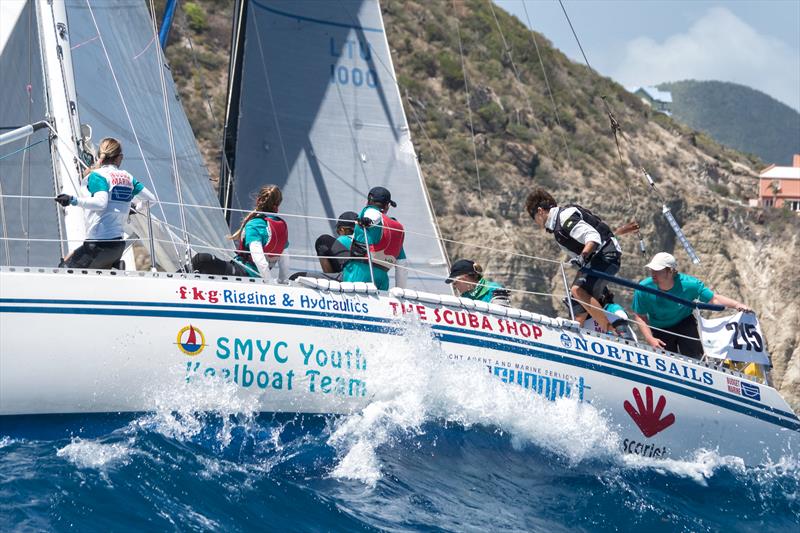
[347, 220]
[463, 266]
[381, 195]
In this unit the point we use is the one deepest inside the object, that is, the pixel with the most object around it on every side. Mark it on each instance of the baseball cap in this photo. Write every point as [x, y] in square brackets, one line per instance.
[381, 195]
[347, 220]
[463, 266]
[661, 261]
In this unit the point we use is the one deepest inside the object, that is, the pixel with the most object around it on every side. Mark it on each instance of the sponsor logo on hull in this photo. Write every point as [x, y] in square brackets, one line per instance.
[647, 416]
[191, 340]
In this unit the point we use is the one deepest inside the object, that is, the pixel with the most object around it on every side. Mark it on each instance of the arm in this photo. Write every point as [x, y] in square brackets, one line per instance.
[260, 260]
[98, 202]
[730, 303]
[283, 267]
[624, 229]
[146, 195]
[401, 274]
[644, 327]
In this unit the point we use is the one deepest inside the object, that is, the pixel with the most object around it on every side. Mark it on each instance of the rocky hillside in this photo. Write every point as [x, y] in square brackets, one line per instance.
[739, 117]
[523, 141]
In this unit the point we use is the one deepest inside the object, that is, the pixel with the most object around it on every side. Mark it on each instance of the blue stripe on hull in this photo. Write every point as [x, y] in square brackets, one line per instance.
[383, 326]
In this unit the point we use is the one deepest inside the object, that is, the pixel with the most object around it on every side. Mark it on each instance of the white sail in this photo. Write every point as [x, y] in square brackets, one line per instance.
[118, 68]
[29, 227]
[315, 108]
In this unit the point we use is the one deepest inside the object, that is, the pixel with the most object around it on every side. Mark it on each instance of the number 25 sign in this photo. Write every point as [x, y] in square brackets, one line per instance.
[736, 337]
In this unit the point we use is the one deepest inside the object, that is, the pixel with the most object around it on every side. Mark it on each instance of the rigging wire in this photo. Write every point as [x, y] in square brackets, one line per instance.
[616, 130]
[515, 70]
[469, 103]
[127, 112]
[160, 59]
[547, 83]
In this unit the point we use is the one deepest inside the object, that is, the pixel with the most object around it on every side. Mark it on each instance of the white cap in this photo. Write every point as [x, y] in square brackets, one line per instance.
[661, 261]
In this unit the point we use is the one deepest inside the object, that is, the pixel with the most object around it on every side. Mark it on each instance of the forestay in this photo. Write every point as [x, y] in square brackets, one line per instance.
[314, 108]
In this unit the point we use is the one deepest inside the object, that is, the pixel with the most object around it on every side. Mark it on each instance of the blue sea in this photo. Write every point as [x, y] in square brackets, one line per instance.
[440, 449]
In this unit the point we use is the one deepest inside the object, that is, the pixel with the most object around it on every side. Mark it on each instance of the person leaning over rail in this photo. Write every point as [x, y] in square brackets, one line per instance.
[260, 242]
[384, 235]
[468, 282]
[334, 252]
[615, 313]
[108, 192]
[588, 240]
[675, 321]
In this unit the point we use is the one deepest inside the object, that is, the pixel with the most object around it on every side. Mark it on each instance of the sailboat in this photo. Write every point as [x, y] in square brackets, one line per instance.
[314, 108]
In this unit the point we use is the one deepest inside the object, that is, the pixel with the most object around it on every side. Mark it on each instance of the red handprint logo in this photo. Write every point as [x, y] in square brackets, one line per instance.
[648, 419]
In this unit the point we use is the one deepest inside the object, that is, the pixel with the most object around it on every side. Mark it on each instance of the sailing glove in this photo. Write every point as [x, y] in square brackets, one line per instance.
[364, 222]
[579, 262]
[65, 200]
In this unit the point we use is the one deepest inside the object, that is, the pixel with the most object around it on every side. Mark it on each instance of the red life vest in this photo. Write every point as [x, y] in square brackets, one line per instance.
[278, 237]
[388, 249]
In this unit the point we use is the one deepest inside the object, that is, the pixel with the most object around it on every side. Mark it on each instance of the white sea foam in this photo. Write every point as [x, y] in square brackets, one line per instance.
[413, 382]
[96, 455]
[699, 468]
[182, 412]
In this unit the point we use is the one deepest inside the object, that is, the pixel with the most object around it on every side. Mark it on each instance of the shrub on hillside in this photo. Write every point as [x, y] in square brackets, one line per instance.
[195, 16]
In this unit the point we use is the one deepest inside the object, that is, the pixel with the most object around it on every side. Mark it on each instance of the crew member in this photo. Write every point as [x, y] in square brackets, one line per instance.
[107, 193]
[674, 327]
[384, 235]
[587, 239]
[614, 312]
[468, 282]
[334, 252]
[261, 240]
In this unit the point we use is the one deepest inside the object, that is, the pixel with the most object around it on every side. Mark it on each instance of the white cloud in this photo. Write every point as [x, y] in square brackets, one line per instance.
[718, 46]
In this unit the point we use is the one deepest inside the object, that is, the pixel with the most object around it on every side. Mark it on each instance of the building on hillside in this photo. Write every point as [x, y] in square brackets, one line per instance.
[659, 100]
[780, 186]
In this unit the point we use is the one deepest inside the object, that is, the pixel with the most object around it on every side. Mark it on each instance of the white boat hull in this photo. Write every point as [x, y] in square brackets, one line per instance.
[97, 342]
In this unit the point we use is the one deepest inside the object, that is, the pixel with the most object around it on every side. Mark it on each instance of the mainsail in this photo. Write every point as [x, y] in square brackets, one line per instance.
[121, 80]
[314, 108]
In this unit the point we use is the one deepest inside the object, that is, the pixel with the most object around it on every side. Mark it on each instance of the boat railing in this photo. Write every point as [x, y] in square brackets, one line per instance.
[198, 243]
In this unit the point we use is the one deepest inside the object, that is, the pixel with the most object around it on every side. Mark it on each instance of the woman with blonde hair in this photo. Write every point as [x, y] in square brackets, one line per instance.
[260, 241]
[107, 193]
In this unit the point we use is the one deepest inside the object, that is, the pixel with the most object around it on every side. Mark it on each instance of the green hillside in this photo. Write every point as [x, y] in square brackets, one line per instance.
[739, 117]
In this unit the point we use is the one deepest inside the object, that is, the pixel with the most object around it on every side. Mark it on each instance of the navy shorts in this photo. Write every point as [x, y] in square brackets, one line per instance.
[602, 262]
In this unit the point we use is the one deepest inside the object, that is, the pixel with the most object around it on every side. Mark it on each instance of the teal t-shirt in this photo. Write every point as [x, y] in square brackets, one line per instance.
[663, 313]
[483, 291]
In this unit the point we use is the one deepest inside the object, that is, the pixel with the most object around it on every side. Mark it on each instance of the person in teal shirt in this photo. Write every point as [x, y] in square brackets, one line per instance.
[334, 252]
[468, 281]
[671, 321]
[389, 252]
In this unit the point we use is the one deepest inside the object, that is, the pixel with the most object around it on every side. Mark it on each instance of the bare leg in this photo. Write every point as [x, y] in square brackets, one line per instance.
[592, 306]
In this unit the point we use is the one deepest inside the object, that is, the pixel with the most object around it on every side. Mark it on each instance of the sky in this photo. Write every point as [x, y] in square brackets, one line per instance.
[646, 42]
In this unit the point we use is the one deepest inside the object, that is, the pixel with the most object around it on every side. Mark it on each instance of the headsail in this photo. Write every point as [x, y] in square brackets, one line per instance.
[117, 63]
[314, 108]
[29, 227]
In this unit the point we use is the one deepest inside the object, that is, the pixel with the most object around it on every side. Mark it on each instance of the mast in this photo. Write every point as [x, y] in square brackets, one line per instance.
[230, 129]
[62, 111]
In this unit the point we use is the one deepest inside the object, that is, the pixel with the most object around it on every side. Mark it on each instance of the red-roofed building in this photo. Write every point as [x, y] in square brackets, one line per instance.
[780, 186]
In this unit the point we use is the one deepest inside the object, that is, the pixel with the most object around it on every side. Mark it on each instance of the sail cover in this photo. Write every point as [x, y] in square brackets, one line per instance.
[118, 81]
[314, 108]
[29, 227]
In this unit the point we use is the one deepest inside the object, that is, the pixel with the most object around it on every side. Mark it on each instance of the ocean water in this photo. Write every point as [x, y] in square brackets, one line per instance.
[441, 448]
